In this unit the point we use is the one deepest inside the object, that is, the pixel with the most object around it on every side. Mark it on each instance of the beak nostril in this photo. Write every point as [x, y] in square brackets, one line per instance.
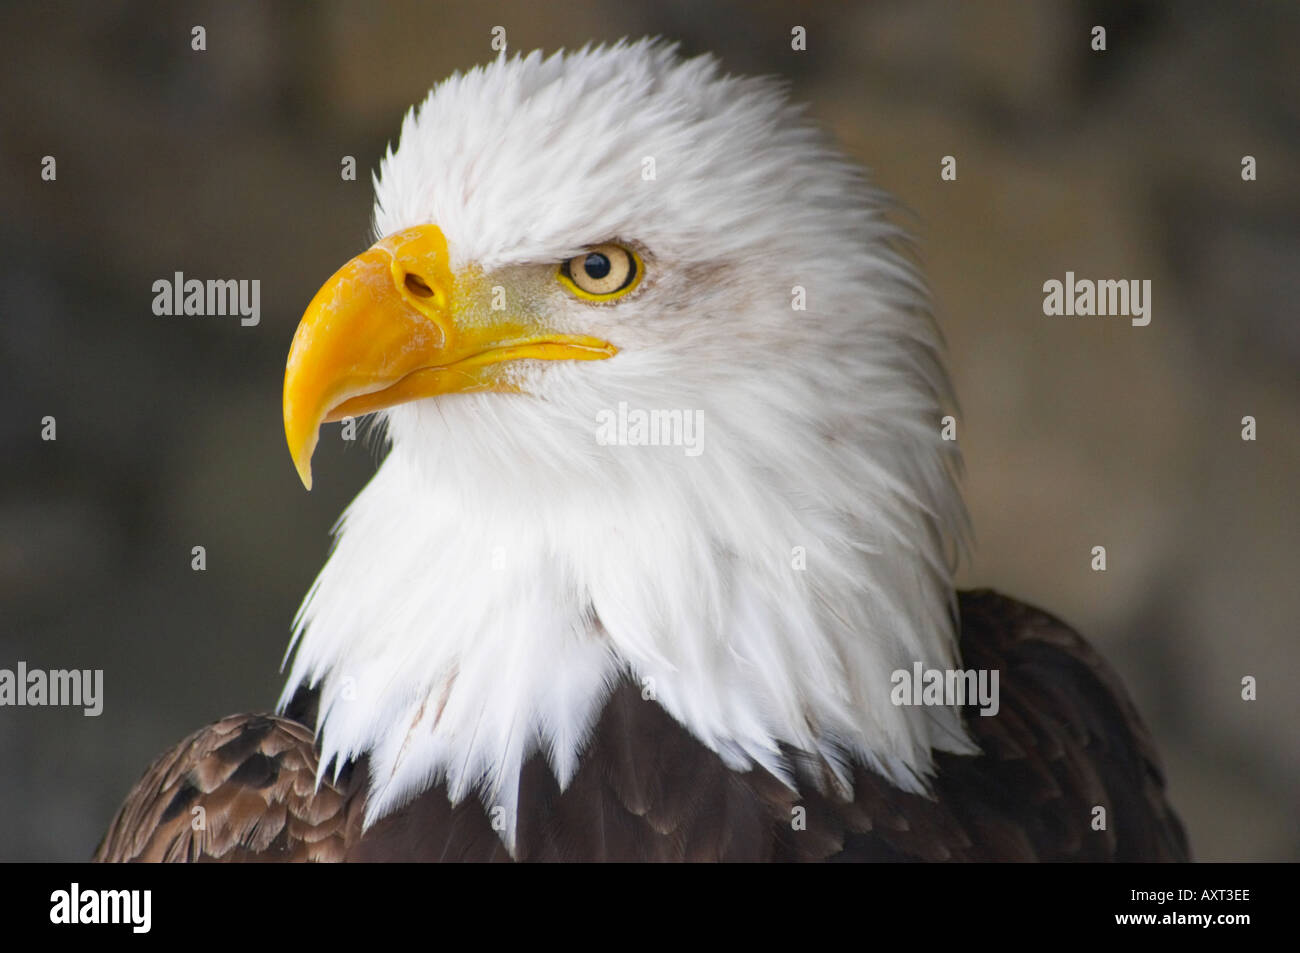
[417, 286]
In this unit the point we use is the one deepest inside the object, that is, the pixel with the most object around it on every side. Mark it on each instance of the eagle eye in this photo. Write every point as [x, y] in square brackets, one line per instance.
[602, 273]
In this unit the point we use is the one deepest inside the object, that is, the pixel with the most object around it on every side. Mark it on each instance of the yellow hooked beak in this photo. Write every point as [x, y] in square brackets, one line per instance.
[388, 328]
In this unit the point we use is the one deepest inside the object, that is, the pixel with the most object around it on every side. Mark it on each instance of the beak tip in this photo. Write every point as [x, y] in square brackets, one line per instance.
[301, 451]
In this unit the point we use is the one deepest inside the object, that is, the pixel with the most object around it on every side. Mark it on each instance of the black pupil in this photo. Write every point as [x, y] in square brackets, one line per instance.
[596, 265]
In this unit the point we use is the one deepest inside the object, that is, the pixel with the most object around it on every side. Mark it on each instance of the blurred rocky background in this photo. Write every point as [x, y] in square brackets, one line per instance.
[1077, 432]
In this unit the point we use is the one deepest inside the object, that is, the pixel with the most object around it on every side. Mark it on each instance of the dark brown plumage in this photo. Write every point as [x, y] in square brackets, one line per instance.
[1065, 740]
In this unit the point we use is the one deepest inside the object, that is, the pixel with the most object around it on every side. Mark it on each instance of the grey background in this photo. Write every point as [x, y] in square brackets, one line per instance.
[1077, 432]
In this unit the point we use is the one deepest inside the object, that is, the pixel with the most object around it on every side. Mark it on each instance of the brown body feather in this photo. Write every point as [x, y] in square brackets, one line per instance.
[1065, 741]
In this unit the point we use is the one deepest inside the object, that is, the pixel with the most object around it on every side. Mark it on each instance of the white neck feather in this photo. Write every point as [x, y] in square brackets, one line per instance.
[483, 595]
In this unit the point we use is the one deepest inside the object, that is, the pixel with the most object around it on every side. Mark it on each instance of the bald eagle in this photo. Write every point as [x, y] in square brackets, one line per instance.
[666, 525]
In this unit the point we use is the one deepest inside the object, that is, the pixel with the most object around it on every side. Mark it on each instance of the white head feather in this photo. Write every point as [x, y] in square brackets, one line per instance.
[503, 568]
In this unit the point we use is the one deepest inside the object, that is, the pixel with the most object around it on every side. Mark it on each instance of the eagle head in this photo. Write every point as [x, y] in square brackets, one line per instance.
[664, 403]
